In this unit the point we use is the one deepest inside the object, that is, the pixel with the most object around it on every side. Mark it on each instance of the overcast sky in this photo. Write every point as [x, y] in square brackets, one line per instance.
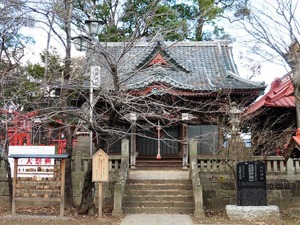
[269, 70]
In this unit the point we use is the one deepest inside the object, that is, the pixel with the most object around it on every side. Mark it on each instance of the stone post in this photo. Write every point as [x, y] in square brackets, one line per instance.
[80, 151]
[82, 143]
[290, 167]
[125, 154]
[117, 200]
[198, 199]
[119, 187]
[125, 149]
[194, 175]
[193, 150]
[77, 158]
[193, 153]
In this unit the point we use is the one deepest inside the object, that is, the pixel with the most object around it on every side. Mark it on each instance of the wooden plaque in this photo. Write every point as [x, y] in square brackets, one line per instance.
[100, 166]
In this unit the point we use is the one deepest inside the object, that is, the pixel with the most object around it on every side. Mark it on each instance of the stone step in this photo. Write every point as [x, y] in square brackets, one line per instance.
[152, 182]
[158, 167]
[158, 185]
[158, 210]
[169, 198]
[135, 192]
[153, 163]
[143, 204]
[158, 196]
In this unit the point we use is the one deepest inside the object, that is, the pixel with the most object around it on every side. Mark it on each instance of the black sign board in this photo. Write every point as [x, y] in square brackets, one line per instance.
[251, 183]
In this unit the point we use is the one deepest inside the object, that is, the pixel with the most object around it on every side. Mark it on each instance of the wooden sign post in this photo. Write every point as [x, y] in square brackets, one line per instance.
[100, 174]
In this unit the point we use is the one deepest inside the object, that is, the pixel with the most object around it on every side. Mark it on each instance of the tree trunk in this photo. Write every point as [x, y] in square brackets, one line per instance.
[5, 161]
[87, 205]
[68, 171]
[297, 102]
[64, 94]
[199, 29]
[294, 63]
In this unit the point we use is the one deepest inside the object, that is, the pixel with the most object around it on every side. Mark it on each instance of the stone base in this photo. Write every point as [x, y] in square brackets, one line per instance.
[253, 213]
[117, 212]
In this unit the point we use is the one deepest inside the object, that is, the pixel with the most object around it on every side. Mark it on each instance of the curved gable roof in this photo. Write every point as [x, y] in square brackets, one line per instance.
[161, 49]
[281, 94]
[193, 66]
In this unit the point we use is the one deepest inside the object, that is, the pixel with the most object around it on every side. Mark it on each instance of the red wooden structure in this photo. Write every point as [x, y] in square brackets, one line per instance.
[20, 130]
[19, 127]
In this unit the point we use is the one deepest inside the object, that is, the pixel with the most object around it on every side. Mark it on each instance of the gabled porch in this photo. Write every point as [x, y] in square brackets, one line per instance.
[166, 146]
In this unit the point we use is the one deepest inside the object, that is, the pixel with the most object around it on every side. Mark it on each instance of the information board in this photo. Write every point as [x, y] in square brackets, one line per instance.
[42, 167]
[251, 183]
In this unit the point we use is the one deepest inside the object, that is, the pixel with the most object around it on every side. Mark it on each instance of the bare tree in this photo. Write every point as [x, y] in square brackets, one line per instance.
[113, 101]
[264, 136]
[275, 25]
[13, 17]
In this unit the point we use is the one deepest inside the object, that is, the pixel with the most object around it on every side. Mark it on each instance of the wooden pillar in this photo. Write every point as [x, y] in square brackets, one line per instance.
[133, 147]
[62, 187]
[100, 200]
[13, 204]
[185, 146]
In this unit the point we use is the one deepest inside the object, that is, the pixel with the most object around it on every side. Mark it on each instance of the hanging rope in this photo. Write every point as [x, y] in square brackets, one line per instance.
[158, 156]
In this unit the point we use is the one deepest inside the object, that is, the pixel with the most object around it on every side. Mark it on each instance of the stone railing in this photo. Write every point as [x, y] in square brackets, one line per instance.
[274, 165]
[80, 162]
[197, 190]
[119, 188]
[197, 187]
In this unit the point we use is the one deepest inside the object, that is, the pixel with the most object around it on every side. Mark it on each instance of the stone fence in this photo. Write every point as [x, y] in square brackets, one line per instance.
[80, 162]
[274, 165]
[283, 178]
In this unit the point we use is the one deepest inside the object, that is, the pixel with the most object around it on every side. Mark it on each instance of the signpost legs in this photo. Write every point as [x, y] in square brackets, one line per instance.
[100, 200]
[62, 187]
[13, 204]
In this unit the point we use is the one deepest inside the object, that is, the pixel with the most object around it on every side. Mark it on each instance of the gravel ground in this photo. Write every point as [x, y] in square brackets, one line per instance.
[49, 216]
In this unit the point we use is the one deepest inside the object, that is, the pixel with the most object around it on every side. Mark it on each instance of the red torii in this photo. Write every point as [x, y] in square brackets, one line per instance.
[19, 128]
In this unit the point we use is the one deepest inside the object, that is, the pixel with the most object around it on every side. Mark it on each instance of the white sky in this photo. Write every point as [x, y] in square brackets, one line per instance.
[269, 70]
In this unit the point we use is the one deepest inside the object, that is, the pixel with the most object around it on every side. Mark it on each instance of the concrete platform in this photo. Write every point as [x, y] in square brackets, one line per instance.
[253, 213]
[157, 219]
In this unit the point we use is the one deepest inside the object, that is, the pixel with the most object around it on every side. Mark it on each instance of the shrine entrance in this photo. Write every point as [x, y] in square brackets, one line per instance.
[161, 146]
[149, 145]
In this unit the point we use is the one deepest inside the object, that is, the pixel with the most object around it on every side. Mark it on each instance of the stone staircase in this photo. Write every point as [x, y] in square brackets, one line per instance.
[150, 163]
[158, 196]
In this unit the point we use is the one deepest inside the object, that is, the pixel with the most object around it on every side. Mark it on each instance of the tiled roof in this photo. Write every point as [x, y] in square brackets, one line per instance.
[293, 143]
[281, 94]
[193, 66]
